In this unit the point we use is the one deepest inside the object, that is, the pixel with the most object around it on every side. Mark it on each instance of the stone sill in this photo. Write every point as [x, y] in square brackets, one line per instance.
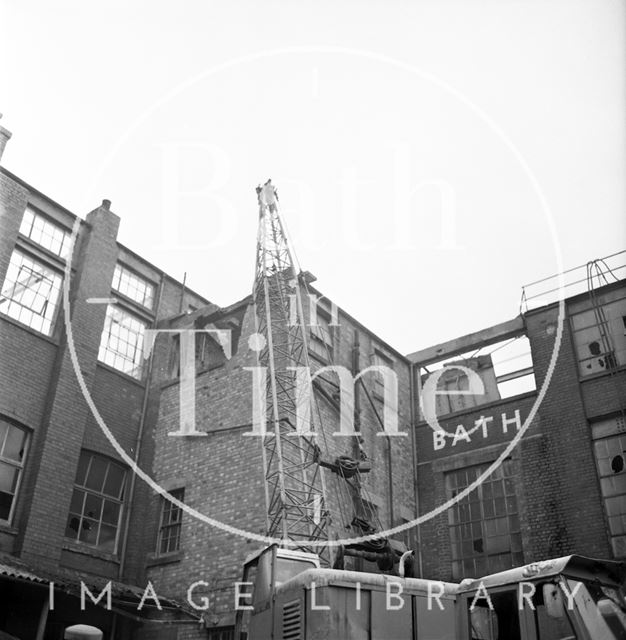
[154, 560]
[92, 552]
[5, 527]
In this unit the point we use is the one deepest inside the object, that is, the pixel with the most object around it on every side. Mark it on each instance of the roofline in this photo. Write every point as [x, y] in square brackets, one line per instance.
[160, 271]
[497, 332]
[248, 300]
[610, 286]
[39, 193]
[484, 337]
[362, 327]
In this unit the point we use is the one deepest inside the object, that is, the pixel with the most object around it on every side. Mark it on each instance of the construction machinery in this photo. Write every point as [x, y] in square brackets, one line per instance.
[295, 447]
[287, 596]
[295, 590]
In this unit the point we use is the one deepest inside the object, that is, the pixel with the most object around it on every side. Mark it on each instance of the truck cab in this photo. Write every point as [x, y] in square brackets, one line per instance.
[263, 572]
[570, 598]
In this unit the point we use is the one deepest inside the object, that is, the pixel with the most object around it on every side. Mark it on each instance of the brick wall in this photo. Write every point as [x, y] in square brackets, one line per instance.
[560, 504]
[223, 472]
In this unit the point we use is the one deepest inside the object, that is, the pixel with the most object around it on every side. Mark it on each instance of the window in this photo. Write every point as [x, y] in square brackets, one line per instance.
[209, 353]
[30, 293]
[45, 233]
[501, 622]
[484, 526]
[121, 345]
[610, 451]
[132, 286]
[13, 442]
[549, 628]
[96, 507]
[600, 338]
[505, 369]
[321, 340]
[171, 524]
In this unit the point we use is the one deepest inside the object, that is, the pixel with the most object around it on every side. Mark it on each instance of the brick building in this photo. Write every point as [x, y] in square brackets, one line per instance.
[73, 512]
[65, 499]
[561, 489]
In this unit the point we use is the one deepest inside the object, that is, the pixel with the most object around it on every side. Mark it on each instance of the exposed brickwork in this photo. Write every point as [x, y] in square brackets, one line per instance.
[560, 505]
[223, 472]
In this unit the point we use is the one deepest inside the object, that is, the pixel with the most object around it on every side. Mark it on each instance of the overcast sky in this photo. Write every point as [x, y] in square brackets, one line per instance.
[413, 144]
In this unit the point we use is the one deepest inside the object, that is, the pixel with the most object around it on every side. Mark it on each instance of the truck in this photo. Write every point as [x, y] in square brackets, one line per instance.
[285, 594]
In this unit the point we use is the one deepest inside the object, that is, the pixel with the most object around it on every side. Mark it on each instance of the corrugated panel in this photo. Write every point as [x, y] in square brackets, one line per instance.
[15, 572]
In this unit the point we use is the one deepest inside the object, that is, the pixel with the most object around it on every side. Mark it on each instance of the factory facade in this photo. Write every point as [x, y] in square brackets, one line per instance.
[513, 447]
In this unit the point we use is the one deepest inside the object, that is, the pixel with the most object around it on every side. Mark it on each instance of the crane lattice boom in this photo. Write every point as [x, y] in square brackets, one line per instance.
[295, 492]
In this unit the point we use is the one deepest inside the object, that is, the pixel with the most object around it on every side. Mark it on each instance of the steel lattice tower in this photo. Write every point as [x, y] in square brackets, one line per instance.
[294, 483]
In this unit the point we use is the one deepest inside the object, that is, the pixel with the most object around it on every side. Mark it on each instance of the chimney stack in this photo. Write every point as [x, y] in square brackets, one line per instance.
[5, 134]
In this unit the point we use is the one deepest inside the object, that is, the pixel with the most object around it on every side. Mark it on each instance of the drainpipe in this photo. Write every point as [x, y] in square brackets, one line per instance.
[414, 399]
[138, 441]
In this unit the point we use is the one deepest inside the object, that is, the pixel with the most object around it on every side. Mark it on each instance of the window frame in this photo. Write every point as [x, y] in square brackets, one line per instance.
[19, 250]
[13, 463]
[614, 358]
[167, 506]
[131, 273]
[87, 491]
[105, 338]
[63, 253]
[456, 523]
[604, 432]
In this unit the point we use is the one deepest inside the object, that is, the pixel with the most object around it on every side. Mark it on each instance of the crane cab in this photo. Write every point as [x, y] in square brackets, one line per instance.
[263, 571]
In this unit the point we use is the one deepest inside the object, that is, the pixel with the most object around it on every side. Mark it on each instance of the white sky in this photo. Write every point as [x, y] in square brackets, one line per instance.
[175, 111]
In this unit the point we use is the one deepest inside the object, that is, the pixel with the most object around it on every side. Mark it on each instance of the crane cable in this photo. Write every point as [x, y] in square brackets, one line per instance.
[340, 497]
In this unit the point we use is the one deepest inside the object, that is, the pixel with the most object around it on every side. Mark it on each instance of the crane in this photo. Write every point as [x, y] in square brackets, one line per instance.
[294, 484]
[297, 508]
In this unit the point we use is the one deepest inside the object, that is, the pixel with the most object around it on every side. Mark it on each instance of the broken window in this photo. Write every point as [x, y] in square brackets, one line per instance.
[209, 353]
[600, 337]
[96, 507]
[133, 286]
[505, 370]
[13, 442]
[45, 233]
[171, 524]
[30, 293]
[484, 525]
[609, 446]
[121, 345]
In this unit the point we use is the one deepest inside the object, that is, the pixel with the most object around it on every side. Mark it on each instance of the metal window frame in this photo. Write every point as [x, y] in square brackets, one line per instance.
[86, 490]
[45, 265]
[105, 342]
[166, 504]
[482, 519]
[18, 465]
[37, 215]
[130, 274]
